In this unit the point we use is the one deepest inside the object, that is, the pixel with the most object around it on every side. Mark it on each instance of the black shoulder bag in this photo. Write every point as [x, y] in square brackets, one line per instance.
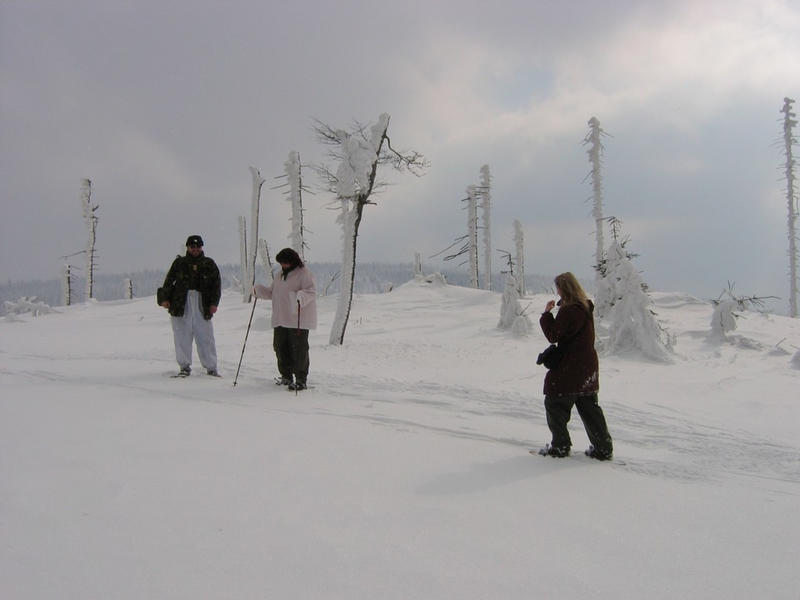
[552, 355]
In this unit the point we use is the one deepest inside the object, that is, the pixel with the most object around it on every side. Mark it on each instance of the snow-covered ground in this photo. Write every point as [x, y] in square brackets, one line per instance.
[403, 472]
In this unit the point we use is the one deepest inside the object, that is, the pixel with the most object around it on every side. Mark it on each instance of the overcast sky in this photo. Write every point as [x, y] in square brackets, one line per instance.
[165, 104]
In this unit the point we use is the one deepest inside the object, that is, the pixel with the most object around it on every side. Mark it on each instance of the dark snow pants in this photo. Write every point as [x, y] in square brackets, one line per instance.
[559, 409]
[291, 349]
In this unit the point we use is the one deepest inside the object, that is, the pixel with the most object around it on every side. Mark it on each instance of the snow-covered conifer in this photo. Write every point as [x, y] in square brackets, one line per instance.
[358, 152]
[91, 223]
[485, 190]
[789, 140]
[511, 314]
[127, 284]
[519, 259]
[723, 318]
[632, 326]
[27, 304]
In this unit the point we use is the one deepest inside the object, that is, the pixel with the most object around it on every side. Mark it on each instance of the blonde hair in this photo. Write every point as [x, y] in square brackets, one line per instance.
[570, 290]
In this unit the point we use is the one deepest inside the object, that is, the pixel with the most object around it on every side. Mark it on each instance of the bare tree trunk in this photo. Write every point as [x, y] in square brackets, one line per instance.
[486, 206]
[791, 199]
[294, 177]
[594, 152]
[472, 233]
[243, 258]
[252, 241]
[352, 218]
[67, 285]
[91, 223]
[519, 242]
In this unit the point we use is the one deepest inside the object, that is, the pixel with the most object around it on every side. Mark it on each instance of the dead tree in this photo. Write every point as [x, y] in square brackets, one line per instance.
[595, 151]
[293, 173]
[469, 242]
[91, 223]
[789, 140]
[358, 153]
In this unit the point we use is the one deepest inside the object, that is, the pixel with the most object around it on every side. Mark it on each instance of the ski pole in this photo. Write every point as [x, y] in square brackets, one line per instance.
[235, 379]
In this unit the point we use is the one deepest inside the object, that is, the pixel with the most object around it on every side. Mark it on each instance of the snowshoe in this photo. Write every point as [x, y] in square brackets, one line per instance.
[213, 373]
[184, 372]
[283, 381]
[298, 386]
[592, 452]
[554, 451]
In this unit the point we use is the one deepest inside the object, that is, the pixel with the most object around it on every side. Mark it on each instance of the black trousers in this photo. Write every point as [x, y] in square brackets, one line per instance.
[559, 409]
[291, 349]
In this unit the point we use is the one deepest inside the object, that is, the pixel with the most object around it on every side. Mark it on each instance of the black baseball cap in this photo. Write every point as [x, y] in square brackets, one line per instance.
[194, 240]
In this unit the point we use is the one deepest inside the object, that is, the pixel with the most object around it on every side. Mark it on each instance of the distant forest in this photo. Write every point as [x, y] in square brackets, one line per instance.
[371, 278]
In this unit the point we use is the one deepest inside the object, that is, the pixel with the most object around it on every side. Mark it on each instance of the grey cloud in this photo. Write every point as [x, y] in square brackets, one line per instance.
[165, 105]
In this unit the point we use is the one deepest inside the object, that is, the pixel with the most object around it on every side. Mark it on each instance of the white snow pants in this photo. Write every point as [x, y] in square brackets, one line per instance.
[193, 325]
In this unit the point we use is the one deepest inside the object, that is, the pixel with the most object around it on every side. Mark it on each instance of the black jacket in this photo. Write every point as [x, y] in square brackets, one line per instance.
[191, 273]
[578, 371]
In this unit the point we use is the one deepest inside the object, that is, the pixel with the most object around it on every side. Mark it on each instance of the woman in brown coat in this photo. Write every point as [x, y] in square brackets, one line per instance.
[575, 380]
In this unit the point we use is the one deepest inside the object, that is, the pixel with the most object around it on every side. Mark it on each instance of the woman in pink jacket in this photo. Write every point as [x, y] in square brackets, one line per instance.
[294, 313]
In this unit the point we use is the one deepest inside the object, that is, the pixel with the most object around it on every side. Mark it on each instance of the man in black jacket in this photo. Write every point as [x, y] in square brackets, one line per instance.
[191, 294]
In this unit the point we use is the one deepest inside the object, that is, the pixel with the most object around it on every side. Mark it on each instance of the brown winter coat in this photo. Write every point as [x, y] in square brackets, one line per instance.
[578, 371]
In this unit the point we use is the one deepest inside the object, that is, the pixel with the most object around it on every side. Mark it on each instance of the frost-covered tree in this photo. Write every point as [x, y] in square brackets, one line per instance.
[66, 285]
[511, 314]
[332, 277]
[251, 241]
[469, 242]
[91, 219]
[472, 233]
[485, 191]
[27, 304]
[418, 265]
[632, 326]
[606, 289]
[293, 172]
[519, 259]
[358, 152]
[595, 152]
[127, 284]
[723, 318]
[789, 141]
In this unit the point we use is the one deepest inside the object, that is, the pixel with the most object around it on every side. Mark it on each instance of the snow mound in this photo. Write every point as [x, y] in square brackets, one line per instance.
[675, 299]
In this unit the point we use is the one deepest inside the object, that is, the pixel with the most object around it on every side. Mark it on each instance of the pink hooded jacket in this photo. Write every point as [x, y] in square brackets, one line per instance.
[286, 293]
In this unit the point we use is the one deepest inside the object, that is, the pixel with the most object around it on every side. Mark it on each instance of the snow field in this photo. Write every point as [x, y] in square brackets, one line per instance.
[403, 473]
